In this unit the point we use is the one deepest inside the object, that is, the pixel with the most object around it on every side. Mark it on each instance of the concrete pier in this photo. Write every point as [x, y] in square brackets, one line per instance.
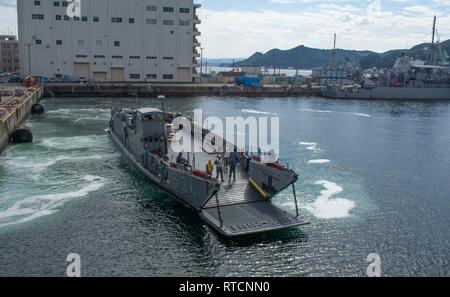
[173, 90]
[13, 112]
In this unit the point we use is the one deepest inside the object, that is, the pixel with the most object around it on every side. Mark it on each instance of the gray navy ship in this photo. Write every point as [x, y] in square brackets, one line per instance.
[409, 79]
[232, 208]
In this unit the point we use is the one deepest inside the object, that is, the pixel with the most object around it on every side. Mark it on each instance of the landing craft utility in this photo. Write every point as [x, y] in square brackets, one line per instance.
[240, 205]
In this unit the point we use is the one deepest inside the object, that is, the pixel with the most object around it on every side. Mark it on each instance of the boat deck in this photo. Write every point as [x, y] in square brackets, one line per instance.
[250, 218]
[243, 210]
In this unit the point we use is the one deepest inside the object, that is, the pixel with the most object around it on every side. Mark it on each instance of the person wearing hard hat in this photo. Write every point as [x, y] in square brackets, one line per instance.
[209, 168]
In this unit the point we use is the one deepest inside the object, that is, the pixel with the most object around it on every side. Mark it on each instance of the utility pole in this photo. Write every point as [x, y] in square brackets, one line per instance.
[201, 64]
[29, 59]
[273, 62]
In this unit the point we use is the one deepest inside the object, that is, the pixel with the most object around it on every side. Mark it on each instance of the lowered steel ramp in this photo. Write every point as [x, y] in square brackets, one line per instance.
[249, 218]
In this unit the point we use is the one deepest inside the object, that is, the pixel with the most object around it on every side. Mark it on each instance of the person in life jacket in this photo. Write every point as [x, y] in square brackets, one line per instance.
[219, 168]
[209, 168]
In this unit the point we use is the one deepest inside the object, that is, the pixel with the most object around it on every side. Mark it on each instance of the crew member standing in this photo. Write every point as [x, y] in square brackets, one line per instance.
[219, 168]
[232, 163]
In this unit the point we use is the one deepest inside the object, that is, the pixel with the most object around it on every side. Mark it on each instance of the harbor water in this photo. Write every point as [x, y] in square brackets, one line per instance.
[374, 178]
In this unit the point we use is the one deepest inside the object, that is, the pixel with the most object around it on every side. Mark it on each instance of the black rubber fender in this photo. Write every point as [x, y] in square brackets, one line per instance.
[37, 108]
[22, 135]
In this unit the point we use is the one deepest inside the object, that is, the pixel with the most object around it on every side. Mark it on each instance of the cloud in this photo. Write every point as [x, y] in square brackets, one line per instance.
[7, 3]
[240, 33]
[238, 28]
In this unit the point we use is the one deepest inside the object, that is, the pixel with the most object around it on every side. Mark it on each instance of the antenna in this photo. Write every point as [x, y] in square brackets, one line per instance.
[136, 98]
[273, 61]
[434, 30]
[433, 49]
[333, 59]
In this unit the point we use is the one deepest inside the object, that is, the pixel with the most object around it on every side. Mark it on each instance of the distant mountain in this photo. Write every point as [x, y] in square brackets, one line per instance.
[308, 58]
[387, 59]
[220, 61]
[301, 57]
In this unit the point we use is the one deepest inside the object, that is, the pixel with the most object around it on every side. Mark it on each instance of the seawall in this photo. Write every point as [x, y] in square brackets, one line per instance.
[14, 111]
[174, 90]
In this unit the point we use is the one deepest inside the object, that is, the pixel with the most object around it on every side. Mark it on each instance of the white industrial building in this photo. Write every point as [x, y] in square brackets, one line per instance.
[109, 40]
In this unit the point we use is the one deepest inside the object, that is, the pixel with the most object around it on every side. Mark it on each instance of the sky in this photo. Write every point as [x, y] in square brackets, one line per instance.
[239, 28]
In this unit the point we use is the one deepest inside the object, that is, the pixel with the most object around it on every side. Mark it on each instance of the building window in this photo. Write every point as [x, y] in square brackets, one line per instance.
[152, 76]
[116, 43]
[152, 21]
[167, 58]
[99, 57]
[168, 76]
[152, 58]
[56, 3]
[168, 22]
[99, 43]
[185, 23]
[81, 56]
[75, 18]
[116, 20]
[185, 10]
[65, 4]
[84, 19]
[58, 17]
[117, 57]
[151, 8]
[58, 42]
[37, 16]
[80, 42]
[135, 76]
[96, 19]
[66, 18]
[131, 20]
[37, 3]
[134, 57]
[38, 41]
[168, 9]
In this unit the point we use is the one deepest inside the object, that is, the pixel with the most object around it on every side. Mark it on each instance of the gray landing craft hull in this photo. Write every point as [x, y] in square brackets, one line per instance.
[385, 93]
[244, 214]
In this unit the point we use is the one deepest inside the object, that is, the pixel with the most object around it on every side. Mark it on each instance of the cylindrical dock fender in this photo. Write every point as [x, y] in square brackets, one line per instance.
[22, 135]
[48, 94]
[37, 108]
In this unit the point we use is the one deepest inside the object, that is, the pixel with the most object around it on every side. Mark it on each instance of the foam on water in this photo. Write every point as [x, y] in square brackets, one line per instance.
[76, 142]
[363, 115]
[311, 146]
[337, 112]
[257, 112]
[33, 207]
[81, 115]
[328, 207]
[78, 110]
[320, 161]
[317, 110]
[37, 166]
